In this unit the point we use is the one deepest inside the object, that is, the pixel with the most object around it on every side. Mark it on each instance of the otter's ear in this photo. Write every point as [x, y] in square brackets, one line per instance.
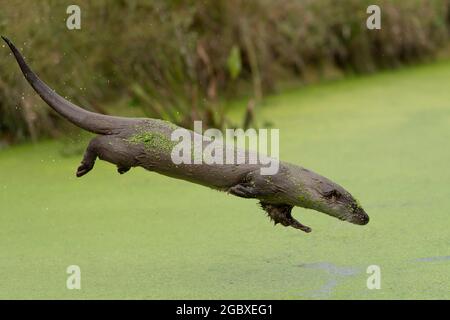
[331, 192]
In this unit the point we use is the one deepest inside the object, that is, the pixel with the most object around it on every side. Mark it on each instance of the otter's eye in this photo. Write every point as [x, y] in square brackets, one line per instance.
[332, 194]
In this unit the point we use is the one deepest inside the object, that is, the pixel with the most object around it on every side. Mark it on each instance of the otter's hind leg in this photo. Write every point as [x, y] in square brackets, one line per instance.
[90, 155]
[108, 148]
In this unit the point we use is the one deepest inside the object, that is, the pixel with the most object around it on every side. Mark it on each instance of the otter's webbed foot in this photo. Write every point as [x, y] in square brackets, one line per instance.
[281, 213]
[89, 158]
[84, 168]
[87, 163]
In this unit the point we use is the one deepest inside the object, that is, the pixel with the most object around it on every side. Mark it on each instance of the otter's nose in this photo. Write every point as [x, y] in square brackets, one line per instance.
[360, 218]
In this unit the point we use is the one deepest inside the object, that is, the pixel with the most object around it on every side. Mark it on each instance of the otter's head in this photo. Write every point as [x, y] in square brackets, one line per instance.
[319, 193]
[337, 202]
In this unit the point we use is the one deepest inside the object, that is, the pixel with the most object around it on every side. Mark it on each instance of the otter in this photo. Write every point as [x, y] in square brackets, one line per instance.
[146, 143]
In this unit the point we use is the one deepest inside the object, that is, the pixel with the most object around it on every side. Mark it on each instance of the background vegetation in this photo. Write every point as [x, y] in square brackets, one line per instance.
[179, 60]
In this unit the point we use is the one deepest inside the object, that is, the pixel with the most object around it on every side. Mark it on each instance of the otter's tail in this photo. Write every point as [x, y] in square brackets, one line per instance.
[90, 121]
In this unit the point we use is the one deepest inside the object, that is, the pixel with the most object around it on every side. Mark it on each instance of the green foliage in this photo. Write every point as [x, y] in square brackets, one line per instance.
[234, 63]
[175, 59]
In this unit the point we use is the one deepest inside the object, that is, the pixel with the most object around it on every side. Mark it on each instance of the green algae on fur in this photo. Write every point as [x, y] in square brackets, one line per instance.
[307, 201]
[152, 140]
